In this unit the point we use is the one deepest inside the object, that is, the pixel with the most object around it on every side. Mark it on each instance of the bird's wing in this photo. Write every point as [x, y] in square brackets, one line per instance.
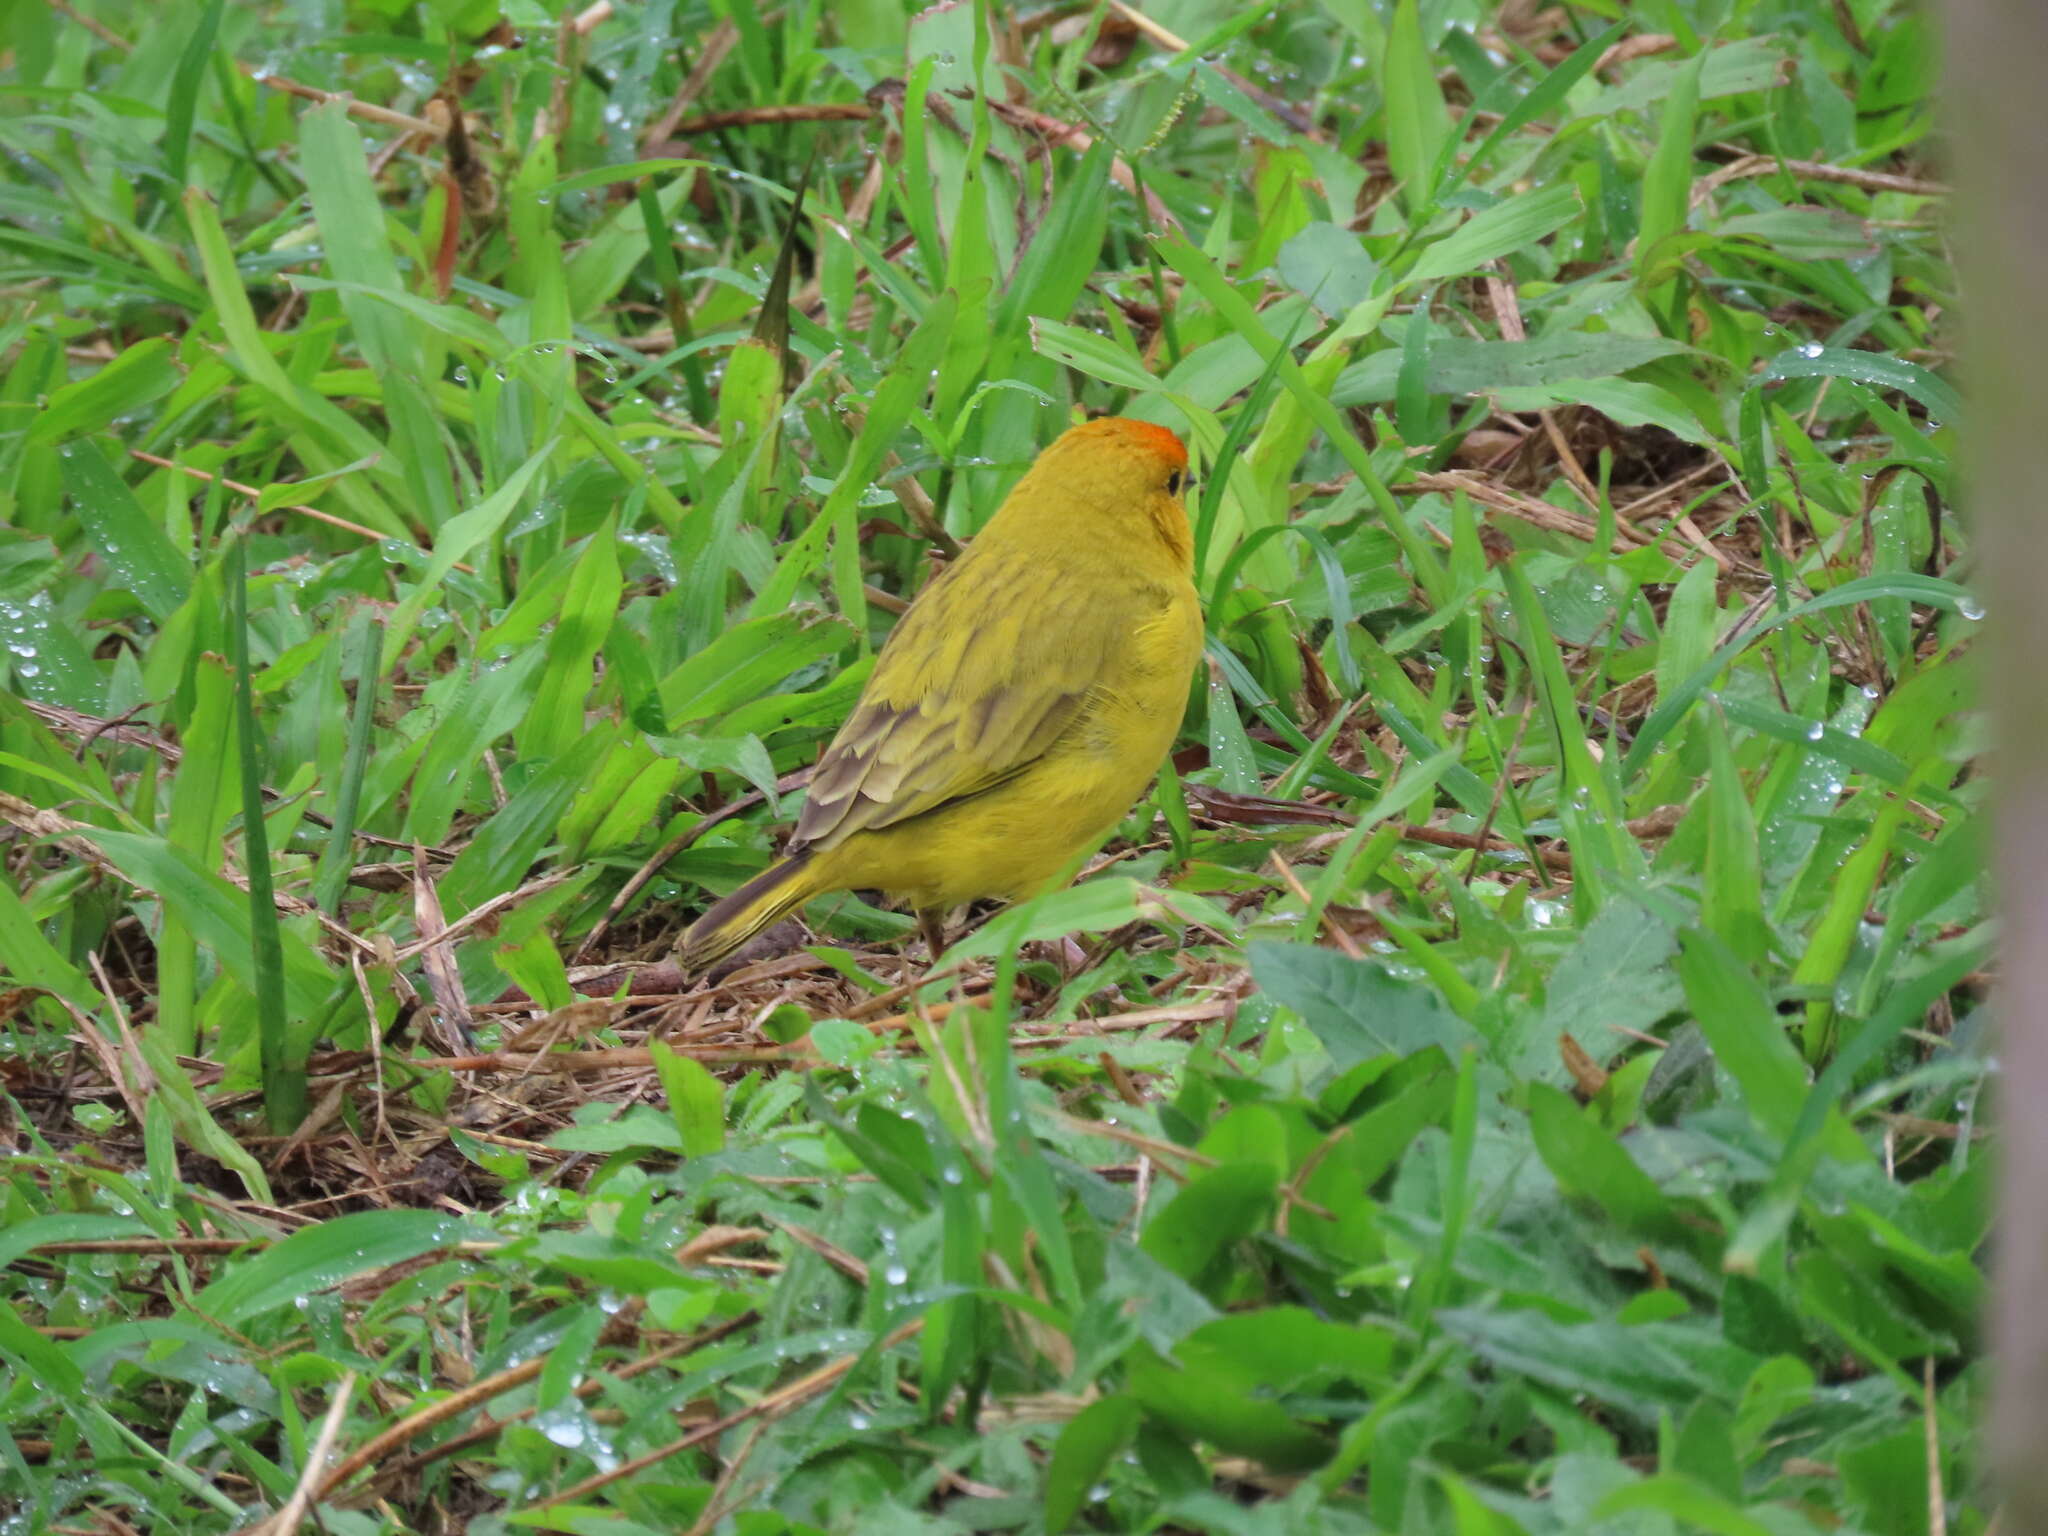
[995, 659]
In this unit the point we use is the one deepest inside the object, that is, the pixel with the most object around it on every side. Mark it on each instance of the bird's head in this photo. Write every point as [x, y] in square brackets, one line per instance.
[1114, 467]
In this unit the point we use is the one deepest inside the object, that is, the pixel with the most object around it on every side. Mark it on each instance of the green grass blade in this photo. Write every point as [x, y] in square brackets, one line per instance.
[284, 1069]
[1418, 122]
[331, 878]
[186, 84]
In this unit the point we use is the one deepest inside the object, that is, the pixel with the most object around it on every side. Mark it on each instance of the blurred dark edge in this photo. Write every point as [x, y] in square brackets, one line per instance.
[1997, 55]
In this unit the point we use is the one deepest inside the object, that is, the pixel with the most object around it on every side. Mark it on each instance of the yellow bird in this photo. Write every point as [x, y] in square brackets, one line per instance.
[1021, 704]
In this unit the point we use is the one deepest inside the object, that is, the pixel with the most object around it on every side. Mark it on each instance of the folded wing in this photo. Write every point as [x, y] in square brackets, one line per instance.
[995, 660]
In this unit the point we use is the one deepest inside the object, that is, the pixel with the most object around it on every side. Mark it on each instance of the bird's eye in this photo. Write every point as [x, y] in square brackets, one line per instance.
[1174, 482]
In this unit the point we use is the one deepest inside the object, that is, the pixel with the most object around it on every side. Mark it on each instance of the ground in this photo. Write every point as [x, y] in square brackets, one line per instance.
[1516, 1072]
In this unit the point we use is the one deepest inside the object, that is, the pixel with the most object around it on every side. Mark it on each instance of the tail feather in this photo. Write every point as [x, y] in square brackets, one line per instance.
[732, 920]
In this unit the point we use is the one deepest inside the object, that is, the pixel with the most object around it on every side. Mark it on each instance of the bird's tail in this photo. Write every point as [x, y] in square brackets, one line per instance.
[732, 920]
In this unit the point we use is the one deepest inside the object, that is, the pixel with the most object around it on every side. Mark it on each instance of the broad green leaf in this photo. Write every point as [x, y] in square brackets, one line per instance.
[1508, 226]
[467, 721]
[140, 376]
[1731, 898]
[1081, 1454]
[1458, 365]
[188, 83]
[141, 557]
[745, 662]
[1586, 1161]
[30, 960]
[1091, 353]
[1631, 402]
[317, 1257]
[460, 536]
[351, 223]
[555, 717]
[498, 856]
[1357, 1008]
[695, 1098]
[1203, 1405]
[194, 1124]
[1641, 1370]
[1748, 1037]
[1747, 64]
[1667, 180]
[1418, 122]
[1615, 978]
[1878, 369]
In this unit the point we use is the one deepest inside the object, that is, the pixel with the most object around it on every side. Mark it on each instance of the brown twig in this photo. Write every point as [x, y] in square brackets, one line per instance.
[1543, 515]
[719, 42]
[772, 1406]
[1443, 837]
[831, 1253]
[253, 492]
[482, 912]
[457, 1029]
[98, 29]
[1329, 923]
[296, 1508]
[1937, 1501]
[368, 111]
[1285, 110]
[621, 1058]
[753, 117]
[1080, 141]
[1815, 170]
[479, 1433]
[195, 1245]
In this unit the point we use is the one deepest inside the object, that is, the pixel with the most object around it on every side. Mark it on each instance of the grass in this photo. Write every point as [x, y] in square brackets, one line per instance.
[1517, 1074]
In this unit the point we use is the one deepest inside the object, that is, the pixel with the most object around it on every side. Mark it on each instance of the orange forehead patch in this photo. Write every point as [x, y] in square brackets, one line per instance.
[1146, 434]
